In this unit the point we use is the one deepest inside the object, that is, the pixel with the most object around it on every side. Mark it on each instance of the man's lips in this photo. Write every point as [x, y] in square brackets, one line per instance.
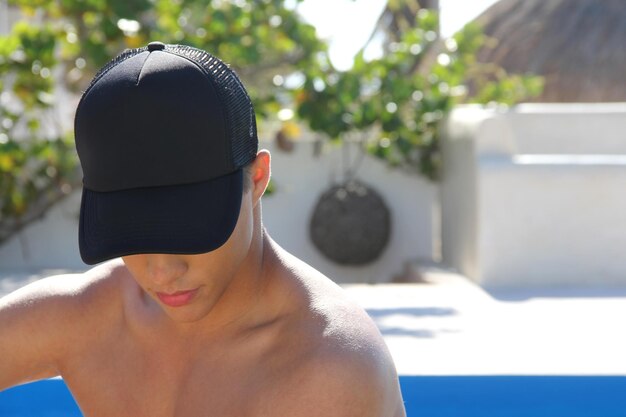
[177, 299]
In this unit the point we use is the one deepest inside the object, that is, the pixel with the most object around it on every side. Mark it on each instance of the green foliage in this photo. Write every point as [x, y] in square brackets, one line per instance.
[60, 44]
[32, 161]
[402, 97]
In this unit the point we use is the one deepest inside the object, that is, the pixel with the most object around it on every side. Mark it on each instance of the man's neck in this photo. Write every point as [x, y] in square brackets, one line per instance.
[245, 303]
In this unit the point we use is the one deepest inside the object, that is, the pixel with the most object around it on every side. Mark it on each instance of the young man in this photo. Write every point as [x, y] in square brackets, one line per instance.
[196, 311]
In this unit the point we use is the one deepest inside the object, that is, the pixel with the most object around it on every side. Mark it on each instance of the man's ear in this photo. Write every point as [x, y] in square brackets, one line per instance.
[261, 173]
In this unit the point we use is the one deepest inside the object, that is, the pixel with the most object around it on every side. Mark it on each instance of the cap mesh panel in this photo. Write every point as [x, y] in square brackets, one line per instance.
[241, 122]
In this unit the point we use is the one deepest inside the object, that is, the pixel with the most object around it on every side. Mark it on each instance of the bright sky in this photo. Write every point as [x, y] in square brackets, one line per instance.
[347, 24]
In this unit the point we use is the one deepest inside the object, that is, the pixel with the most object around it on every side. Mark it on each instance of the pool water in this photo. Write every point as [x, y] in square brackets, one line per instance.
[429, 396]
[515, 396]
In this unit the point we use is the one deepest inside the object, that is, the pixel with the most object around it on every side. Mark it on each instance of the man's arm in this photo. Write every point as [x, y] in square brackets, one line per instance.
[33, 323]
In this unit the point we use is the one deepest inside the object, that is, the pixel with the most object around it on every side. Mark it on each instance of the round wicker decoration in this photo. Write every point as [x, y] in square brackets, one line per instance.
[351, 224]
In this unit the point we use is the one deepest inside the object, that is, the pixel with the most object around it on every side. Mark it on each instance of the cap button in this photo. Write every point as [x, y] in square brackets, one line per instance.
[156, 46]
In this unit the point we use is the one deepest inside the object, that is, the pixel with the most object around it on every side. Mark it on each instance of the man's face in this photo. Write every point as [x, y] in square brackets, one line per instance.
[188, 287]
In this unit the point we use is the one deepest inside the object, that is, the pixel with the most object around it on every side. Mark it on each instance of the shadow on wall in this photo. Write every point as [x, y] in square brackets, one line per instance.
[407, 321]
[524, 294]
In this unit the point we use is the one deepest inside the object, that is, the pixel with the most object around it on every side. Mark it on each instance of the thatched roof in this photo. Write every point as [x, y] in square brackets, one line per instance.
[579, 46]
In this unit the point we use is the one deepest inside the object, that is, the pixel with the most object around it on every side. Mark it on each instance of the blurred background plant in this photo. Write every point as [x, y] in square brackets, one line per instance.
[59, 45]
[394, 102]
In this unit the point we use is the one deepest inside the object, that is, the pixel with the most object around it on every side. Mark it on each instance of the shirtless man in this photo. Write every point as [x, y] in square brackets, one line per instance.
[196, 311]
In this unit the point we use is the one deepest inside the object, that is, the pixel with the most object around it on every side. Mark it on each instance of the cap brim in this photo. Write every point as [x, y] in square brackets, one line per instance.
[180, 219]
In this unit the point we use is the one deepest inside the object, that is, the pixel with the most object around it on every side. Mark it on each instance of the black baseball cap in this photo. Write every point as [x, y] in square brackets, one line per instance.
[162, 133]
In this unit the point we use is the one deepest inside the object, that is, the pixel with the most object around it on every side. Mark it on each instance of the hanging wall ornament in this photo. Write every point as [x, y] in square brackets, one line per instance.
[351, 224]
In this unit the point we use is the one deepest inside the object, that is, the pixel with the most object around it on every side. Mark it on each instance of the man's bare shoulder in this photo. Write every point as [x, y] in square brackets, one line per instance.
[347, 369]
[344, 324]
[69, 291]
[73, 303]
[53, 319]
[346, 382]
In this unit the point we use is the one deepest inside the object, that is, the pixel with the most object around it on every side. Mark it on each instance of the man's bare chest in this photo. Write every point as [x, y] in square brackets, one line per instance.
[131, 381]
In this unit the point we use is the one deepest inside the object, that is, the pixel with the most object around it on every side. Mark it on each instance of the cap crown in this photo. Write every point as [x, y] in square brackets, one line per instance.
[163, 116]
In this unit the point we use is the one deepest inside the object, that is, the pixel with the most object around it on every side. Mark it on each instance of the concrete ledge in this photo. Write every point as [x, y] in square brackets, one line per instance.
[533, 196]
[450, 326]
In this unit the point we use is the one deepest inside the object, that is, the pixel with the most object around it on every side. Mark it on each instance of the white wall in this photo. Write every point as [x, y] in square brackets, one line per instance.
[530, 197]
[535, 196]
[48, 243]
[300, 178]
[4, 17]
[8, 16]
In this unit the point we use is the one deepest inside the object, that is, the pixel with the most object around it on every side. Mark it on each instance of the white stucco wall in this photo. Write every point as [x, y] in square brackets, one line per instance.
[48, 243]
[4, 17]
[300, 178]
[535, 196]
[8, 16]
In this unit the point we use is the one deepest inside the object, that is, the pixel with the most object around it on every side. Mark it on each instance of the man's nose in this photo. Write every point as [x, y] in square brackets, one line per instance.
[165, 269]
